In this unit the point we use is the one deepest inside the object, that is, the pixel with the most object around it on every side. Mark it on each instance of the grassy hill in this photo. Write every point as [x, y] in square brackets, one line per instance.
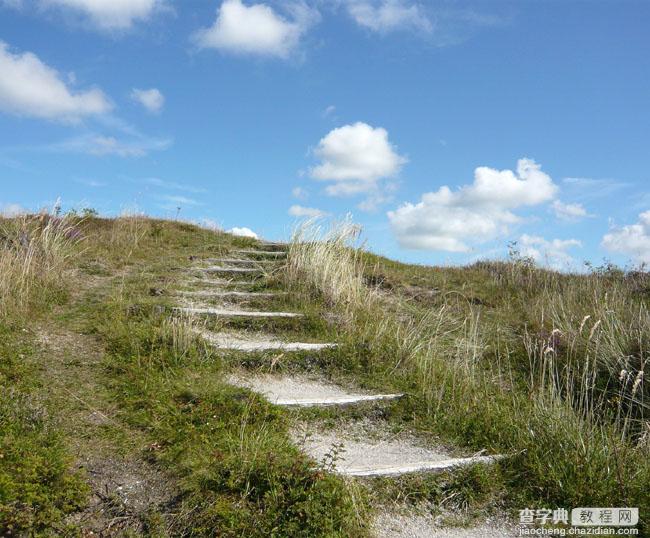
[117, 418]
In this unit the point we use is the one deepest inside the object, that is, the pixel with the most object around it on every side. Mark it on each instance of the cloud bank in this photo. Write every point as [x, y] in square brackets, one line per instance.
[454, 220]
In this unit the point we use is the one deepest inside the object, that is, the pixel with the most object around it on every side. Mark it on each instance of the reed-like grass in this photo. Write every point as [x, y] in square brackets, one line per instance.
[322, 262]
[34, 253]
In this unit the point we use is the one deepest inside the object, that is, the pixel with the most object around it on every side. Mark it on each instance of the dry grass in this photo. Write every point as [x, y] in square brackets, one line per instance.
[34, 253]
[324, 263]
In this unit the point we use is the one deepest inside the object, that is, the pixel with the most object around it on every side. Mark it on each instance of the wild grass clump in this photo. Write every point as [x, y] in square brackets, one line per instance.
[325, 264]
[595, 350]
[34, 253]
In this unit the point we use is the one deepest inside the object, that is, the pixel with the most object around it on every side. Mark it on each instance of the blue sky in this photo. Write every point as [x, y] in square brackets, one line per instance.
[446, 128]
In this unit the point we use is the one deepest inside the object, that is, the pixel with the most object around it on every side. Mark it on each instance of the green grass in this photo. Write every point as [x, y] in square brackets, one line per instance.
[469, 348]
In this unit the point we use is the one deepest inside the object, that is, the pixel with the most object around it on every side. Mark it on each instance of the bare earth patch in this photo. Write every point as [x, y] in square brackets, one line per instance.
[125, 489]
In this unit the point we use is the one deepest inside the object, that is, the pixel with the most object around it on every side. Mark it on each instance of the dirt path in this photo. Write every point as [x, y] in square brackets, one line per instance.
[127, 492]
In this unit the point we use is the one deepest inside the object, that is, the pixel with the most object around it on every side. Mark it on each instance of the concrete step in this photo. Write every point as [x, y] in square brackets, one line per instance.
[216, 282]
[300, 391]
[227, 312]
[386, 456]
[232, 294]
[269, 253]
[224, 269]
[252, 343]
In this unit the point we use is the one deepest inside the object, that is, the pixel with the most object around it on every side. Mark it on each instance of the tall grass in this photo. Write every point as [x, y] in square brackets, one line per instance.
[324, 263]
[34, 251]
[596, 354]
[561, 389]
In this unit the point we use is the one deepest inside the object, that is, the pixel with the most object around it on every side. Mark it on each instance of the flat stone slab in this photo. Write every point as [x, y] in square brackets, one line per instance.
[303, 392]
[256, 343]
[226, 294]
[393, 525]
[227, 312]
[223, 269]
[217, 282]
[391, 457]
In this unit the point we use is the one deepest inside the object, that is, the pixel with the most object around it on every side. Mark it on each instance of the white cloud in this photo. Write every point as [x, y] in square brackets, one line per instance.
[569, 211]
[329, 111]
[299, 193]
[551, 253]
[179, 200]
[151, 99]
[110, 14]
[100, 146]
[310, 212]
[257, 29]
[28, 87]
[632, 240]
[355, 158]
[389, 15]
[243, 232]
[451, 220]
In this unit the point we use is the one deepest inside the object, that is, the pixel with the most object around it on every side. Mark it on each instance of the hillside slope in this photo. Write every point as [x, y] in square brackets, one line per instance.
[153, 388]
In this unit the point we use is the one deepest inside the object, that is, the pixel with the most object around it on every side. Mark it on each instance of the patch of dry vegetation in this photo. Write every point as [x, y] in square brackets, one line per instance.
[34, 253]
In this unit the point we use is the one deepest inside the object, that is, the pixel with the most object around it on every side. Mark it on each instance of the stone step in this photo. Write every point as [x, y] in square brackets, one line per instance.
[223, 269]
[417, 467]
[236, 294]
[367, 457]
[303, 392]
[227, 312]
[218, 282]
[270, 253]
[258, 343]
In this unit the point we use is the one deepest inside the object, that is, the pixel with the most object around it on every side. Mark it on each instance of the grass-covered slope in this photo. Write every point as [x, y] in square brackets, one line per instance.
[104, 392]
[503, 356]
